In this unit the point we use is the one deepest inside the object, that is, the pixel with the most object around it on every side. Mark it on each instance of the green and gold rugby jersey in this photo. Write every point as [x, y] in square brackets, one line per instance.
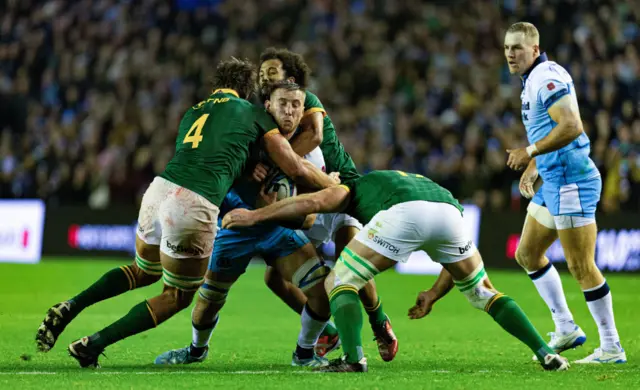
[214, 141]
[336, 158]
[379, 190]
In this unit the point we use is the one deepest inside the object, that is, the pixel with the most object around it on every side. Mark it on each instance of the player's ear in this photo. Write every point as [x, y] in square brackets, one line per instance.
[267, 104]
[291, 79]
[536, 50]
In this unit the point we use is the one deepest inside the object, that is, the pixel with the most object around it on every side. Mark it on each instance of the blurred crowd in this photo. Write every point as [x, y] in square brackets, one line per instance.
[92, 91]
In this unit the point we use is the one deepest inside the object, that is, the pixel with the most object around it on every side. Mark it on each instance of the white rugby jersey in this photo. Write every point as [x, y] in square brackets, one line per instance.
[543, 85]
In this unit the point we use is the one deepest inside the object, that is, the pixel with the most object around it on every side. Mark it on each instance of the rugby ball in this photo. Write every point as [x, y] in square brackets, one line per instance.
[282, 185]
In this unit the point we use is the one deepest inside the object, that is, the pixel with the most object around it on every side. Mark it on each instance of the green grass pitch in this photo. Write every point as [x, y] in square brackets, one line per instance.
[456, 347]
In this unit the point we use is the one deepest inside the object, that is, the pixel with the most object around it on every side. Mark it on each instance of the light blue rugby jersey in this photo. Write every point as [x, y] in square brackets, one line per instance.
[544, 84]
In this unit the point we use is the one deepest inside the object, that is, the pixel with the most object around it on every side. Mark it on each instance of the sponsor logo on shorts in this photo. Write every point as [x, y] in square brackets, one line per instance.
[371, 233]
[465, 248]
[386, 244]
[183, 249]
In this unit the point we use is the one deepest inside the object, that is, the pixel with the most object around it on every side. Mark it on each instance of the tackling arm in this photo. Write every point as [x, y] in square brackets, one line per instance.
[294, 166]
[330, 200]
[569, 127]
[442, 285]
[426, 299]
[311, 135]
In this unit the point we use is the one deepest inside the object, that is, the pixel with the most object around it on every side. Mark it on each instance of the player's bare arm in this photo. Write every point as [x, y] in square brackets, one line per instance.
[308, 138]
[426, 299]
[565, 113]
[528, 180]
[567, 116]
[266, 198]
[330, 200]
[294, 166]
[310, 134]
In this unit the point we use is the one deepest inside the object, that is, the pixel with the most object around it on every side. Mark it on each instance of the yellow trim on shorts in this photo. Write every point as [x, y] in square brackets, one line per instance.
[313, 110]
[227, 90]
[271, 132]
[153, 315]
[492, 300]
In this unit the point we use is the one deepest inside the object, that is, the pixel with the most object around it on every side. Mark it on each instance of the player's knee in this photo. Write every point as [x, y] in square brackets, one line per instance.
[214, 292]
[176, 299]
[182, 287]
[476, 288]
[273, 279]
[529, 258]
[581, 269]
[309, 274]
[350, 270]
[329, 282]
[204, 311]
[141, 277]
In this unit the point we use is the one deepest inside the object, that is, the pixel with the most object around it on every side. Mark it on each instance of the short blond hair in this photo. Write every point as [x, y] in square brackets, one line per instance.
[530, 31]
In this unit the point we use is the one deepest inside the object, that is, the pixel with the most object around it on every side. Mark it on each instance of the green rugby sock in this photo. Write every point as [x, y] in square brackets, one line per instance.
[139, 319]
[506, 312]
[376, 315]
[345, 307]
[330, 330]
[111, 284]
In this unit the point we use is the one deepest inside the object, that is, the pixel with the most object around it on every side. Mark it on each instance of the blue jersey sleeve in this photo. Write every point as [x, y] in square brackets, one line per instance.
[551, 90]
[232, 201]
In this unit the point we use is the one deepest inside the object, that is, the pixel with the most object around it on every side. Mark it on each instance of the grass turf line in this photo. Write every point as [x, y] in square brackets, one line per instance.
[455, 347]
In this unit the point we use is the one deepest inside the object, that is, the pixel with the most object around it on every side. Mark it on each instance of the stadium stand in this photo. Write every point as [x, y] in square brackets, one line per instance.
[92, 91]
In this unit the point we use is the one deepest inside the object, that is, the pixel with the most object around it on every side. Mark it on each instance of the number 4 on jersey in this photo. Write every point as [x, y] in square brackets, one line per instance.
[194, 135]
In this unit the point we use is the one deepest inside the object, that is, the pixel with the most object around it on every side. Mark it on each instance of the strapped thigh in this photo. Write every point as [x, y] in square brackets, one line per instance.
[352, 269]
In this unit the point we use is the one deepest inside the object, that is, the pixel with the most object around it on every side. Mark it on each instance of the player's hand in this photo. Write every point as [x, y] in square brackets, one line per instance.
[424, 304]
[336, 177]
[238, 218]
[527, 180]
[518, 159]
[260, 172]
[266, 198]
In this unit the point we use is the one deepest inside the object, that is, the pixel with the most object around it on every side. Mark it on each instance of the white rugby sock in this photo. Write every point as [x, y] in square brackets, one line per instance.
[312, 327]
[547, 281]
[200, 337]
[601, 308]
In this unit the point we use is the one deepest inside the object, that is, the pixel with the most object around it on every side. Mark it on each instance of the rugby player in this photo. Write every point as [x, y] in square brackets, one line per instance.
[316, 129]
[564, 206]
[402, 213]
[178, 215]
[287, 251]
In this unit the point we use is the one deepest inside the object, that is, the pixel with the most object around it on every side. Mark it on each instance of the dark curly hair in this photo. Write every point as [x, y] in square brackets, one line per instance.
[292, 63]
[239, 75]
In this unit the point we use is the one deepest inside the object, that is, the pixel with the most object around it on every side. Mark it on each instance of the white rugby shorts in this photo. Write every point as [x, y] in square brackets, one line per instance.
[326, 225]
[182, 222]
[434, 227]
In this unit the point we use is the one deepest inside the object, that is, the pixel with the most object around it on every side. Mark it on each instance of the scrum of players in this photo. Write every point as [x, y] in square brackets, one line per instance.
[214, 208]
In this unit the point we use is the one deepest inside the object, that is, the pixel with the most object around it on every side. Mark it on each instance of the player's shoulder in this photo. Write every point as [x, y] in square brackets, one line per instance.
[241, 104]
[549, 70]
[310, 95]
[261, 117]
[311, 101]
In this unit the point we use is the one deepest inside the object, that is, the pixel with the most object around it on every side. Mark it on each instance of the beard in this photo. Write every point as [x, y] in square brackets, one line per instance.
[264, 90]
